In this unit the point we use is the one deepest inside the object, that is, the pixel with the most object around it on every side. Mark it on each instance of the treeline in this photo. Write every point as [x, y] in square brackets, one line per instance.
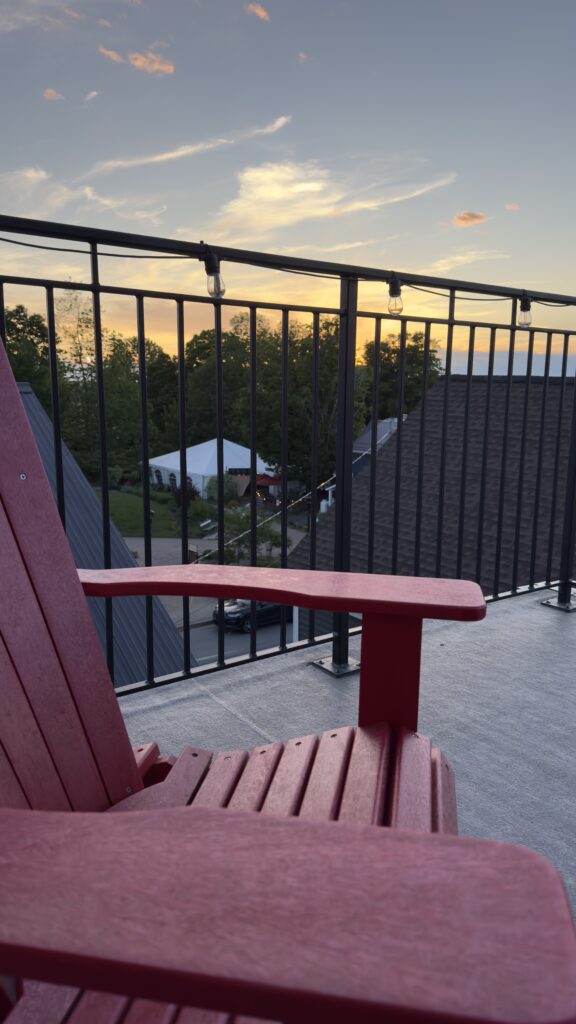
[27, 338]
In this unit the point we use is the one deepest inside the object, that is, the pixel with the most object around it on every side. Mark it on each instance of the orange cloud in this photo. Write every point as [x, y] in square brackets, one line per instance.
[258, 10]
[467, 219]
[71, 13]
[302, 57]
[111, 54]
[151, 63]
[512, 206]
[104, 22]
[51, 94]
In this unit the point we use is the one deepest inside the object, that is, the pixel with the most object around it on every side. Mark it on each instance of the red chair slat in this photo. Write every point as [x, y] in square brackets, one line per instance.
[177, 789]
[287, 787]
[44, 1004]
[444, 807]
[324, 789]
[363, 799]
[411, 802]
[99, 1008]
[38, 666]
[24, 744]
[221, 780]
[11, 792]
[253, 784]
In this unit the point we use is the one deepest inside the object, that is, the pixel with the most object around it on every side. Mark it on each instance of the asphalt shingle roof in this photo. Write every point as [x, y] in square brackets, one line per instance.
[543, 455]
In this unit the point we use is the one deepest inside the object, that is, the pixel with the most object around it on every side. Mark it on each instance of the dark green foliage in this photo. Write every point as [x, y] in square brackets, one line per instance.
[389, 372]
[78, 386]
[27, 345]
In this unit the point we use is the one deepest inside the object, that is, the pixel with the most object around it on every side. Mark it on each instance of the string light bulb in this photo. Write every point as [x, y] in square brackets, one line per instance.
[395, 304]
[215, 281]
[525, 315]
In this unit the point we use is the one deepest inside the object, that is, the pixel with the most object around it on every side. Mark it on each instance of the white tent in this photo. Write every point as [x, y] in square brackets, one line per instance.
[201, 464]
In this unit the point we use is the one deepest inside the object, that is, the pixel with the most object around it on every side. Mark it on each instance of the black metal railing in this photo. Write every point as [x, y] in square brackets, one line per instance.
[478, 480]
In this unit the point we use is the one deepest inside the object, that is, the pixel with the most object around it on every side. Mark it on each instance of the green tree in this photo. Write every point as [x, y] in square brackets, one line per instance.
[28, 352]
[200, 370]
[230, 489]
[390, 372]
[237, 537]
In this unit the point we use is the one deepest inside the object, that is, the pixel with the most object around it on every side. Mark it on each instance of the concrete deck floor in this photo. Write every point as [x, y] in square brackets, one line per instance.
[498, 696]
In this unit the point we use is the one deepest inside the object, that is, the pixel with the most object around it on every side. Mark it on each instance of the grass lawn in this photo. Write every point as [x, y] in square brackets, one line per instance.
[127, 514]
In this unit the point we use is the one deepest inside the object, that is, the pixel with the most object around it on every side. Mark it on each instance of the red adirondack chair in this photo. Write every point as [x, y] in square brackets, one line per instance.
[64, 746]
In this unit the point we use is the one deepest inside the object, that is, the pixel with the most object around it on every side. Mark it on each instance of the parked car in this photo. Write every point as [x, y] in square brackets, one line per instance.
[237, 614]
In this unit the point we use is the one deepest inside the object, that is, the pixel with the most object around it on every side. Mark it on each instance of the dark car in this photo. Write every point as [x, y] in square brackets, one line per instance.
[237, 614]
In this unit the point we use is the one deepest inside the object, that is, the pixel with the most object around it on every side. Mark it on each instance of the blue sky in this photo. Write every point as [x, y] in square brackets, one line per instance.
[431, 136]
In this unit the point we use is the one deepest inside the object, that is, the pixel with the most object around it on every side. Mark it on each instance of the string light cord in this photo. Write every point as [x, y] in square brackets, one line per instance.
[276, 515]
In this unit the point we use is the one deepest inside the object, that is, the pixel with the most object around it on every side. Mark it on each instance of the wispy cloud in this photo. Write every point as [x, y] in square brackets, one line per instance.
[91, 96]
[302, 57]
[25, 176]
[21, 14]
[467, 219]
[268, 129]
[512, 206]
[32, 192]
[71, 13]
[181, 152]
[151, 63]
[52, 95]
[462, 259]
[258, 10]
[122, 163]
[277, 195]
[104, 22]
[111, 55]
[339, 247]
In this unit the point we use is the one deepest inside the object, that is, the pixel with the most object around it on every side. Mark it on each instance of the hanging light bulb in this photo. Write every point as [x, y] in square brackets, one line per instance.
[215, 282]
[525, 315]
[395, 304]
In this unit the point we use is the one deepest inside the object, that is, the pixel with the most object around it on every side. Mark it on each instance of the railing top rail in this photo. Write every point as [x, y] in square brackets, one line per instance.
[198, 250]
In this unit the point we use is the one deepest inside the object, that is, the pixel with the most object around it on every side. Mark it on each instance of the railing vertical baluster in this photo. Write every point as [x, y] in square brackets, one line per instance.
[103, 440]
[569, 522]
[314, 458]
[552, 528]
[503, 465]
[551, 531]
[538, 488]
[444, 441]
[220, 463]
[374, 442]
[183, 477]
[141, 330]
[344, 443]
[55, 394]
[284, 463]
[253, 466]
[464, 466]
[2, 315]
[485, 443]
[421, 450]
[399, 434]
[522, 463]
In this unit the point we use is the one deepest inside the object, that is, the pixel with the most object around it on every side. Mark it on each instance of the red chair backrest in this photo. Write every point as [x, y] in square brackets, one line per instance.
[63, 743]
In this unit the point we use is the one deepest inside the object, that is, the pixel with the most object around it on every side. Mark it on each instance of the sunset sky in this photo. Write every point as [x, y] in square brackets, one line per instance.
[432, 136]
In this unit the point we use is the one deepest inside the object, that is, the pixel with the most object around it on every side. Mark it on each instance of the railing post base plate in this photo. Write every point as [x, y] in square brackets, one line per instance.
[553, 602]
[328, 665]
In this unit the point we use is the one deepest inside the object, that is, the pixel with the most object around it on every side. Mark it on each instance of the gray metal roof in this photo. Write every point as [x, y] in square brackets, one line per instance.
[84, 530]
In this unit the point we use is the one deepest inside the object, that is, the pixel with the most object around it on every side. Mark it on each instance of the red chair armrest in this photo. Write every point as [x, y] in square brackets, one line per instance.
[287, 919]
